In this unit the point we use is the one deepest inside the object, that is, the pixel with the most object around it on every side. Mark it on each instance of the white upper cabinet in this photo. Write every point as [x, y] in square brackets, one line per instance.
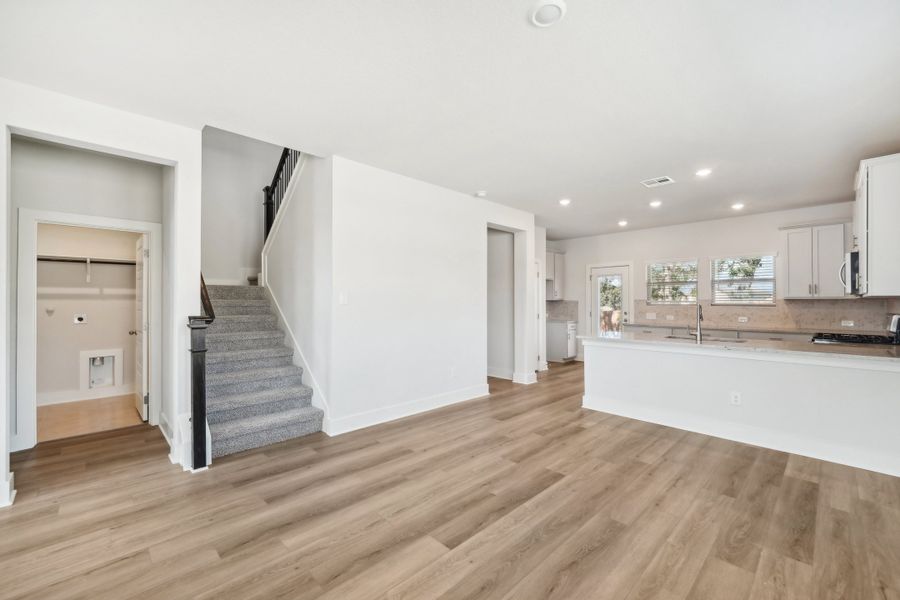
[876, 219]
[558, 269]
[815, 256]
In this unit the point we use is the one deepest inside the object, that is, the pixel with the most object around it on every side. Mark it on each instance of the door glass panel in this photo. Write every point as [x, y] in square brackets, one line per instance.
[609, 304]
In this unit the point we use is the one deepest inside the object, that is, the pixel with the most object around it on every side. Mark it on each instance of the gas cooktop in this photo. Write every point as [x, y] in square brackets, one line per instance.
[853, 338]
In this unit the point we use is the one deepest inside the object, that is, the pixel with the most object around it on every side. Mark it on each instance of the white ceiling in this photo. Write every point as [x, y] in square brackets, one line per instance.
[780, 97]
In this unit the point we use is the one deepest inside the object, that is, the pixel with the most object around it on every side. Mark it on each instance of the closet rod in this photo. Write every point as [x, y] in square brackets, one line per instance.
[94, 261]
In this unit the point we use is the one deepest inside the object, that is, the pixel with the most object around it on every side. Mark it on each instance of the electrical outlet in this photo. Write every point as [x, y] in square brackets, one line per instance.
[847, 323]
[453, 372]
[743, 319]
[735, 398]
[670, 317]
[651, 316]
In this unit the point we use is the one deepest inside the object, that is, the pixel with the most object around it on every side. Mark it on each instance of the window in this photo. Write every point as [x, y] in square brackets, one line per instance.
[672, 282]
[743, 280]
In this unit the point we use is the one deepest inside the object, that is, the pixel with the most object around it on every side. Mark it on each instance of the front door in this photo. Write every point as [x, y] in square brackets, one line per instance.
[141, 330]
[610, 299]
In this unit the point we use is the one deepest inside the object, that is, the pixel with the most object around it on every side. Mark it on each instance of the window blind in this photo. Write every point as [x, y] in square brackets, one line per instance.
[673, 282]
[743, 280]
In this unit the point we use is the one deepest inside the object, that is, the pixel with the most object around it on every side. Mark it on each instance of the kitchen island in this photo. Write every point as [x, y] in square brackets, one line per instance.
[839, 403]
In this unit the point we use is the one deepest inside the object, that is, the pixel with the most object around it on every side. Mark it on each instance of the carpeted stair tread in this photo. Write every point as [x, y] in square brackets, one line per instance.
[233, 292]
[302, 394]
[213, 358]
[213, 379]
[244, 335]
[243, 323]
[229, 437]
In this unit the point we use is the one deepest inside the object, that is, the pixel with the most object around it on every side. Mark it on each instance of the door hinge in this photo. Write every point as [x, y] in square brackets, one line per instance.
[146, 399]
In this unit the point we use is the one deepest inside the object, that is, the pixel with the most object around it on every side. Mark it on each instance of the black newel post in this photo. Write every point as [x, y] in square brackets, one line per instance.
[198, 392]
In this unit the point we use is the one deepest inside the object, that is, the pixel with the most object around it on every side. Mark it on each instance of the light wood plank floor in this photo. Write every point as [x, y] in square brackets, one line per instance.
[56, 421]
[523, 495]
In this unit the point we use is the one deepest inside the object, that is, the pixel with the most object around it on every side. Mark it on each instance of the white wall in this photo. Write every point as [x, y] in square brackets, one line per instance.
[704, 240]
[108, 300]
[410, 258]
[540, 254]
[65, 240]
[298, 271]
[500, 304]
[235, 170]
[38, 113]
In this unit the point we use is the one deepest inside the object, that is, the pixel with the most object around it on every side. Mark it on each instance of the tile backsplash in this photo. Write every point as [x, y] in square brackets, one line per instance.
[562, 310]
[868, 314]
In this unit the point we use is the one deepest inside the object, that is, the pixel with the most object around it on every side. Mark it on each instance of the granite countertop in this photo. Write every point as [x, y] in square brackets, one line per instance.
[852, 351]
[676, 325]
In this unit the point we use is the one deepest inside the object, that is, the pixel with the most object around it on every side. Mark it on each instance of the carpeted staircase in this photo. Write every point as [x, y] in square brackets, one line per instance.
[254, 393]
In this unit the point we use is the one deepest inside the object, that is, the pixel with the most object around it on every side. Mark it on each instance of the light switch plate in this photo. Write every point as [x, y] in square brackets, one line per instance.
[743, 319]
[651, 316]
[847, 323]
[670, 317]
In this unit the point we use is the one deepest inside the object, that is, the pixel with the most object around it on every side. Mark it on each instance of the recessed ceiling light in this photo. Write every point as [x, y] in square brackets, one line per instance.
[548, 12]
[655, 203]
[703, 172]
[565, 201]
[737, 205]
[481, 194]
[623, 223]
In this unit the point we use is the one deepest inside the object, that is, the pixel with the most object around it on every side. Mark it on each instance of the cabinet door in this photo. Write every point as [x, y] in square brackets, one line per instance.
[861, 225]
[550, 266]
[555, 289]
[828, 257]
[799, 263]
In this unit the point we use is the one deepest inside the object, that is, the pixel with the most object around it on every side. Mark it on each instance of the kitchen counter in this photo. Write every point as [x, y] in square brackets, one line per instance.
[869, 352]
[838, 403]
[773, 330]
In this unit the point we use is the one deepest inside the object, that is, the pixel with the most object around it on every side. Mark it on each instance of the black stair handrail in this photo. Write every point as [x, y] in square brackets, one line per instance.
[198, 325]
[275, 191]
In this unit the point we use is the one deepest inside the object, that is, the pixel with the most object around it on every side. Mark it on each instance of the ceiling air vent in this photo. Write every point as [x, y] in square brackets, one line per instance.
[657, 181]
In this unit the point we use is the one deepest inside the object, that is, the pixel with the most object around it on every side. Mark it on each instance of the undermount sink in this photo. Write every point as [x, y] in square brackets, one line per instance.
[705, 339]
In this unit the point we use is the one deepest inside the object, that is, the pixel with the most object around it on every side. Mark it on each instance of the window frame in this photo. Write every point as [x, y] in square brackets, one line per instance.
[713, 281]
[648, 283]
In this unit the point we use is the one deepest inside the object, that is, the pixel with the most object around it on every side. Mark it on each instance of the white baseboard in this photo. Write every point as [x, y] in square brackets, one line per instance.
[528, 377]
[748, 434]
[500, 373]
[61, 397]
[8, 491]
[543, 366]
[405, 409]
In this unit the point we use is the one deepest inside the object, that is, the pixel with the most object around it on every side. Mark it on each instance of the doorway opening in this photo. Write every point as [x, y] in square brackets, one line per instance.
[501, 323]
[91, 343]
[609, 299]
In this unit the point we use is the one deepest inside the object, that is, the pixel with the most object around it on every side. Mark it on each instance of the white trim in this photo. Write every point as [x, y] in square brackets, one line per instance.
[319, 399]
[543, 366]
[8, 491]
[65, 396]
[404, 409]
[25, 432]
[746, 434]
[279, 217]
[526, 378]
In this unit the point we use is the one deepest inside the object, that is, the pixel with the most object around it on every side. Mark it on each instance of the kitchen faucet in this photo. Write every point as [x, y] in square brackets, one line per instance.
[699, 332]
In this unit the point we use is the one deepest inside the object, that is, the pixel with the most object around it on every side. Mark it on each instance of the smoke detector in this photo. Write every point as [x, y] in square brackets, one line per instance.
[657, 181]
[548, 12]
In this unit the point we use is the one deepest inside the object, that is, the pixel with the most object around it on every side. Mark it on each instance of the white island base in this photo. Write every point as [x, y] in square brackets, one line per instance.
[835, 407]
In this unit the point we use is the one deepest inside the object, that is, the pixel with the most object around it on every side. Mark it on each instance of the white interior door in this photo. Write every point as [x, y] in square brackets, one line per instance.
[141, 329]
[610, 299]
